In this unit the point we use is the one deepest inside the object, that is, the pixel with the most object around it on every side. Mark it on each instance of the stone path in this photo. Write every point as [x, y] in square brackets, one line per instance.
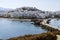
[44, 23]
[58, 37]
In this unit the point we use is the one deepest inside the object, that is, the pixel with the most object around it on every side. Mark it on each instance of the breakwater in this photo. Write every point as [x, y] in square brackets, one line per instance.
[45, 25]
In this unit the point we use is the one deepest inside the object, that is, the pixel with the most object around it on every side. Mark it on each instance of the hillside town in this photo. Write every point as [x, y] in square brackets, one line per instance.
[30, 12]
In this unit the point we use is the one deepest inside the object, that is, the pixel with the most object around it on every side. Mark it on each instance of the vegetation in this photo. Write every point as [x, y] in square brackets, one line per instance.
[43, 36]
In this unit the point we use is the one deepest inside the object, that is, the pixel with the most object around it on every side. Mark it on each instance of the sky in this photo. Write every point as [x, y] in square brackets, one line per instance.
[46, 5]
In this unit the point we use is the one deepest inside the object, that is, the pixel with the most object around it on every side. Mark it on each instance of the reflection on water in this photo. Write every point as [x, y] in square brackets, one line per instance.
[9, 28]
[55, 22]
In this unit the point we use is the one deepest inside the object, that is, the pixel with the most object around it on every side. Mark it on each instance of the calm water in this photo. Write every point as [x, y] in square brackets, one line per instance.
[55, 22]
[9, 28]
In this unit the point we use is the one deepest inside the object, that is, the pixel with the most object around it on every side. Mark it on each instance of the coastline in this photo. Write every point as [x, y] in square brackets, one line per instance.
[41, 22]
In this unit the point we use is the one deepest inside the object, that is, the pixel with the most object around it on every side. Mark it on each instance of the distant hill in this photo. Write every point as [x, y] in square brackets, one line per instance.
[4, 9]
